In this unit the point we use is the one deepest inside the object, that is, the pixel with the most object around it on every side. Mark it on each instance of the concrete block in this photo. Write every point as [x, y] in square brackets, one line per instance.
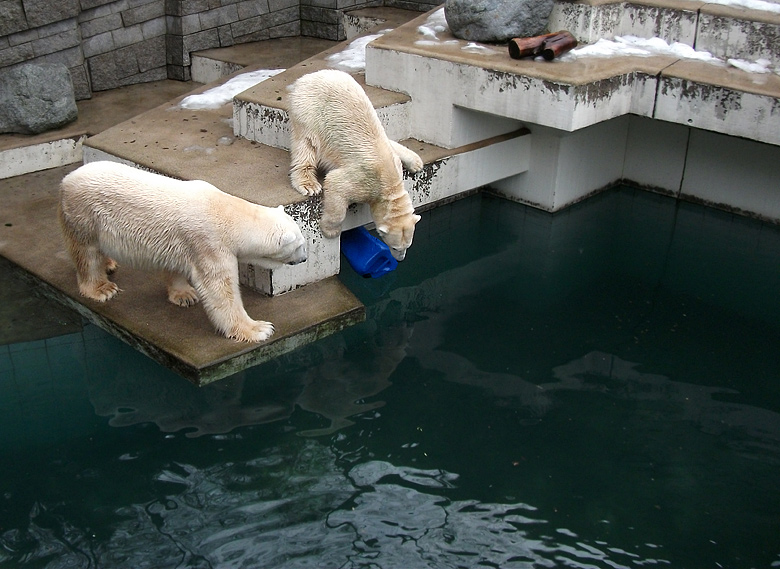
[173, 7]
[219, 17]
[150, 54]
[324, 31]
[127, 36]
[42, 12]
[72, 57]
[100, 25]
[732, 173]
[565, 167]
[324, 15]
[59, 42]
[26, 36]
[125, 62]
[226, 38]
[283, 16]
[37, 157]
[190, 24]
[12, 18]
[153, 28]
[290, 29]
[143, 13]
[719, 109]
[102, 70]
[174, 50]
[200, 41]
[99, 44]
[55, 28]
[651, 143]
[16, 54]
[81, 85]
[193, 7]
[252, 8]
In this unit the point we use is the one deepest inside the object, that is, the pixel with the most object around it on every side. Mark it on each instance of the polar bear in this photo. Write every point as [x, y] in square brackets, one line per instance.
[334, 127]
[189, 230]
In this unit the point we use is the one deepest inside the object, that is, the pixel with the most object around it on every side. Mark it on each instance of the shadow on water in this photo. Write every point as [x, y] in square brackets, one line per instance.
[597, 388]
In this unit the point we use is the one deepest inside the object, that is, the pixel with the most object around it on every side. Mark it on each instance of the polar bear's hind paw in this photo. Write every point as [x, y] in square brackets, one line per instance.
[183, 297]
[259, 331]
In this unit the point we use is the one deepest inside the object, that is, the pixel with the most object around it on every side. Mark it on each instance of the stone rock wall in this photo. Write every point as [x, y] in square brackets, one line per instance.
[107, 44]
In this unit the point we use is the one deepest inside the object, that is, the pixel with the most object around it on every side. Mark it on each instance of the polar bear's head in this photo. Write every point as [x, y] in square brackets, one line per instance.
[284, 242]
[398, 234]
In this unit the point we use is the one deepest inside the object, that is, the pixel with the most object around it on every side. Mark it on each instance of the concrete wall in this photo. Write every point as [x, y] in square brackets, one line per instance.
[110, 43]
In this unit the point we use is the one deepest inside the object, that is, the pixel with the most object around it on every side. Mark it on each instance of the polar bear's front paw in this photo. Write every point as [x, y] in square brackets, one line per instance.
[254, 331]
[309, 188]
[183, 296]
[100, 291]
[414, 163]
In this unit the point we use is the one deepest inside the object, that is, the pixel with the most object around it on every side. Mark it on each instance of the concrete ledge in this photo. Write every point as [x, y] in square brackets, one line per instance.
[566, 95]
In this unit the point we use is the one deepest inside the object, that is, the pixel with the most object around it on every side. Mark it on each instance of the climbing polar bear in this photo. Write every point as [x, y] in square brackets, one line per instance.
[334, 127]
[189, 230]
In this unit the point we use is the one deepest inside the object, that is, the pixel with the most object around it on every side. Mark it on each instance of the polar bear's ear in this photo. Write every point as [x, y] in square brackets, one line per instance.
[287, 238]
[382, 229]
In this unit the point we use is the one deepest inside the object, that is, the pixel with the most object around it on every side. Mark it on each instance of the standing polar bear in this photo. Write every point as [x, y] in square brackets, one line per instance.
[334, 127]
[189, 230]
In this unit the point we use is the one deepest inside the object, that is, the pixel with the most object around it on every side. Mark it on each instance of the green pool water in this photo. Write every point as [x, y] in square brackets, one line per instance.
[597, 388]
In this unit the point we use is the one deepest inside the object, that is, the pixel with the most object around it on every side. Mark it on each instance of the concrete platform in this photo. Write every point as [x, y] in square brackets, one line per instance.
[180, 338]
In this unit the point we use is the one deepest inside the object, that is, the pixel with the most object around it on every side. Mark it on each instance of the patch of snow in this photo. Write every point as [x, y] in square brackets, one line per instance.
[353, 57]
[633, 45]
[434, 24]
[223, 94]
[758, 66]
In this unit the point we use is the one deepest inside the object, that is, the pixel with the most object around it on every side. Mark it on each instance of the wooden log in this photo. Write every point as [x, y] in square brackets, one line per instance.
[558, 45]
[526, 47]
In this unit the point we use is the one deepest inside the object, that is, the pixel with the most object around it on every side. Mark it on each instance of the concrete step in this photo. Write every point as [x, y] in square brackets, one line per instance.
[260, 112]
[463, 92]
[725, 31]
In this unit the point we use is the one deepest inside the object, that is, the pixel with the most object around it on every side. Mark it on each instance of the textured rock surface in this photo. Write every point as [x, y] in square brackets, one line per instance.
[36, 98]
[497, 20]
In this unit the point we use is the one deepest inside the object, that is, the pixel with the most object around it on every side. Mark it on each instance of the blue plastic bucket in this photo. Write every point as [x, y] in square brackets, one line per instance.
[367, 255]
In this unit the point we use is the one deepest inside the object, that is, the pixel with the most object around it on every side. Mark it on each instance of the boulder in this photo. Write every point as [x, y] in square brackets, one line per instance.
[35, 98]
[497, 20]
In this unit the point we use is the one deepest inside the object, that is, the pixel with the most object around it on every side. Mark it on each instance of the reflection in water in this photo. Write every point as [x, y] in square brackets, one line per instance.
[324, 379]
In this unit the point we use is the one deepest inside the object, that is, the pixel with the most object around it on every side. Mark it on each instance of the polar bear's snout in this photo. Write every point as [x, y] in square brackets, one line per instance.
[299, 256]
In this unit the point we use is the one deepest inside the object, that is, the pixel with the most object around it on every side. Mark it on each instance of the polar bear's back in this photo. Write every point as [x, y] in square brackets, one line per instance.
[326, 101]
[136, 216]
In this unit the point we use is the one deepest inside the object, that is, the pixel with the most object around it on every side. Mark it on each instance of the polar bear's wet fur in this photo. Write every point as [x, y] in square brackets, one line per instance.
[189, 230]
[335, 129]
